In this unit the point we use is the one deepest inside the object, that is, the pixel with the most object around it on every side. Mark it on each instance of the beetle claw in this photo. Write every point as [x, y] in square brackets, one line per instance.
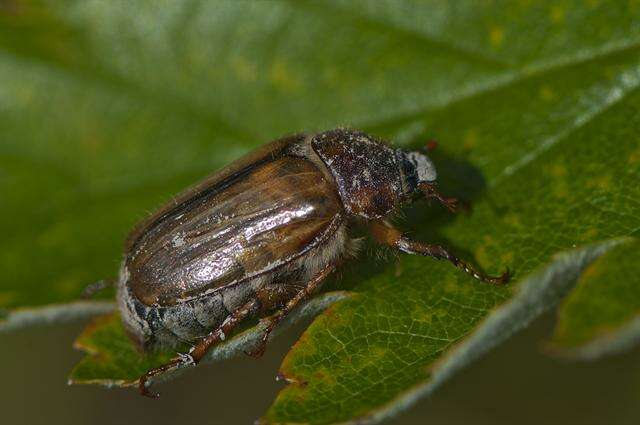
[143, 381]
[505, 277]
[143, 387]
[451, 204]
[431, 192]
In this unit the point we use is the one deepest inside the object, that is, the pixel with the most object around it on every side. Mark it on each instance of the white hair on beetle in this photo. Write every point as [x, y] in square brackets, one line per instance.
[425, 169]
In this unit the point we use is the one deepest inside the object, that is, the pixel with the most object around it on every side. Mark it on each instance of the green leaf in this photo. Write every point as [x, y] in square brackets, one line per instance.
[602, 315]
[107, 110]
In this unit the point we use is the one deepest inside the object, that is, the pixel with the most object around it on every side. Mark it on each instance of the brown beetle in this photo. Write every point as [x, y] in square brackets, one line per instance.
[263, 234]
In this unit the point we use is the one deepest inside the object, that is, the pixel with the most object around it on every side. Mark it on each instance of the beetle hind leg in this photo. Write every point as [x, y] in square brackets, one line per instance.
[385, 233]
[302, 294]
[197, 352]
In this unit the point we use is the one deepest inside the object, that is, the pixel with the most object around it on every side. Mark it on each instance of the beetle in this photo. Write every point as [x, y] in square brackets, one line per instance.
[261, 235]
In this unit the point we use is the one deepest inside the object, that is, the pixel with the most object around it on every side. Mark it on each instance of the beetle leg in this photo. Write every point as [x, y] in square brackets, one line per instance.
[430, 190]
[386, 234]
[202, 347]
[301, 295]
[93, 288]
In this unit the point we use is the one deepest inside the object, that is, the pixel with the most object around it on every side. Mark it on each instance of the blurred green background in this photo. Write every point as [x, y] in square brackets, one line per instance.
[107, 108]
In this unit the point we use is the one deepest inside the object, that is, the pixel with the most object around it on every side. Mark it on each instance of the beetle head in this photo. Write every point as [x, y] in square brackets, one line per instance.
[418, 171]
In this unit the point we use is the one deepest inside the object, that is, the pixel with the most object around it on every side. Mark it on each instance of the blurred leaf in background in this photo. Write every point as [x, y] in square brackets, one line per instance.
[109, 108]
[602, 314]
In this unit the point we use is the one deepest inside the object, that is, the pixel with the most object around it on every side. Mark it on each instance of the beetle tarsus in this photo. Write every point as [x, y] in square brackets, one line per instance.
[469, 269]
[144, 383]
[436, 251]
[430, 190]
[505, 277]
[144, 390]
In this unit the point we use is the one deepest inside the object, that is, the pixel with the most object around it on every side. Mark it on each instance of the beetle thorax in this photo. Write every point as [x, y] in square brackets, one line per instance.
[366, 171]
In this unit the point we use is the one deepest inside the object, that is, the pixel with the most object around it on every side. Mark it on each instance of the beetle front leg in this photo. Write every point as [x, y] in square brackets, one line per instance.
[386, 234]
[202, 347]
[430, 190]
[300, 296]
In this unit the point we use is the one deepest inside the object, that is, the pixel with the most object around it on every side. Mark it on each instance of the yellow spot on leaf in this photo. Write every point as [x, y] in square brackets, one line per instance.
[592, 271]
[422, 314]
[377, 354]
[556, 14]
[325, 376]
[601, 182]
[496, 36]
[244, 70]
[481, 255]
[7, 297]
[281, 76]
[470, 139]
[507, 258]
[589, 234]
[547, 94]
[561, 189]
[450, 286]
[441, 313]
[634, 158]
[513, 220]
[558, 170]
